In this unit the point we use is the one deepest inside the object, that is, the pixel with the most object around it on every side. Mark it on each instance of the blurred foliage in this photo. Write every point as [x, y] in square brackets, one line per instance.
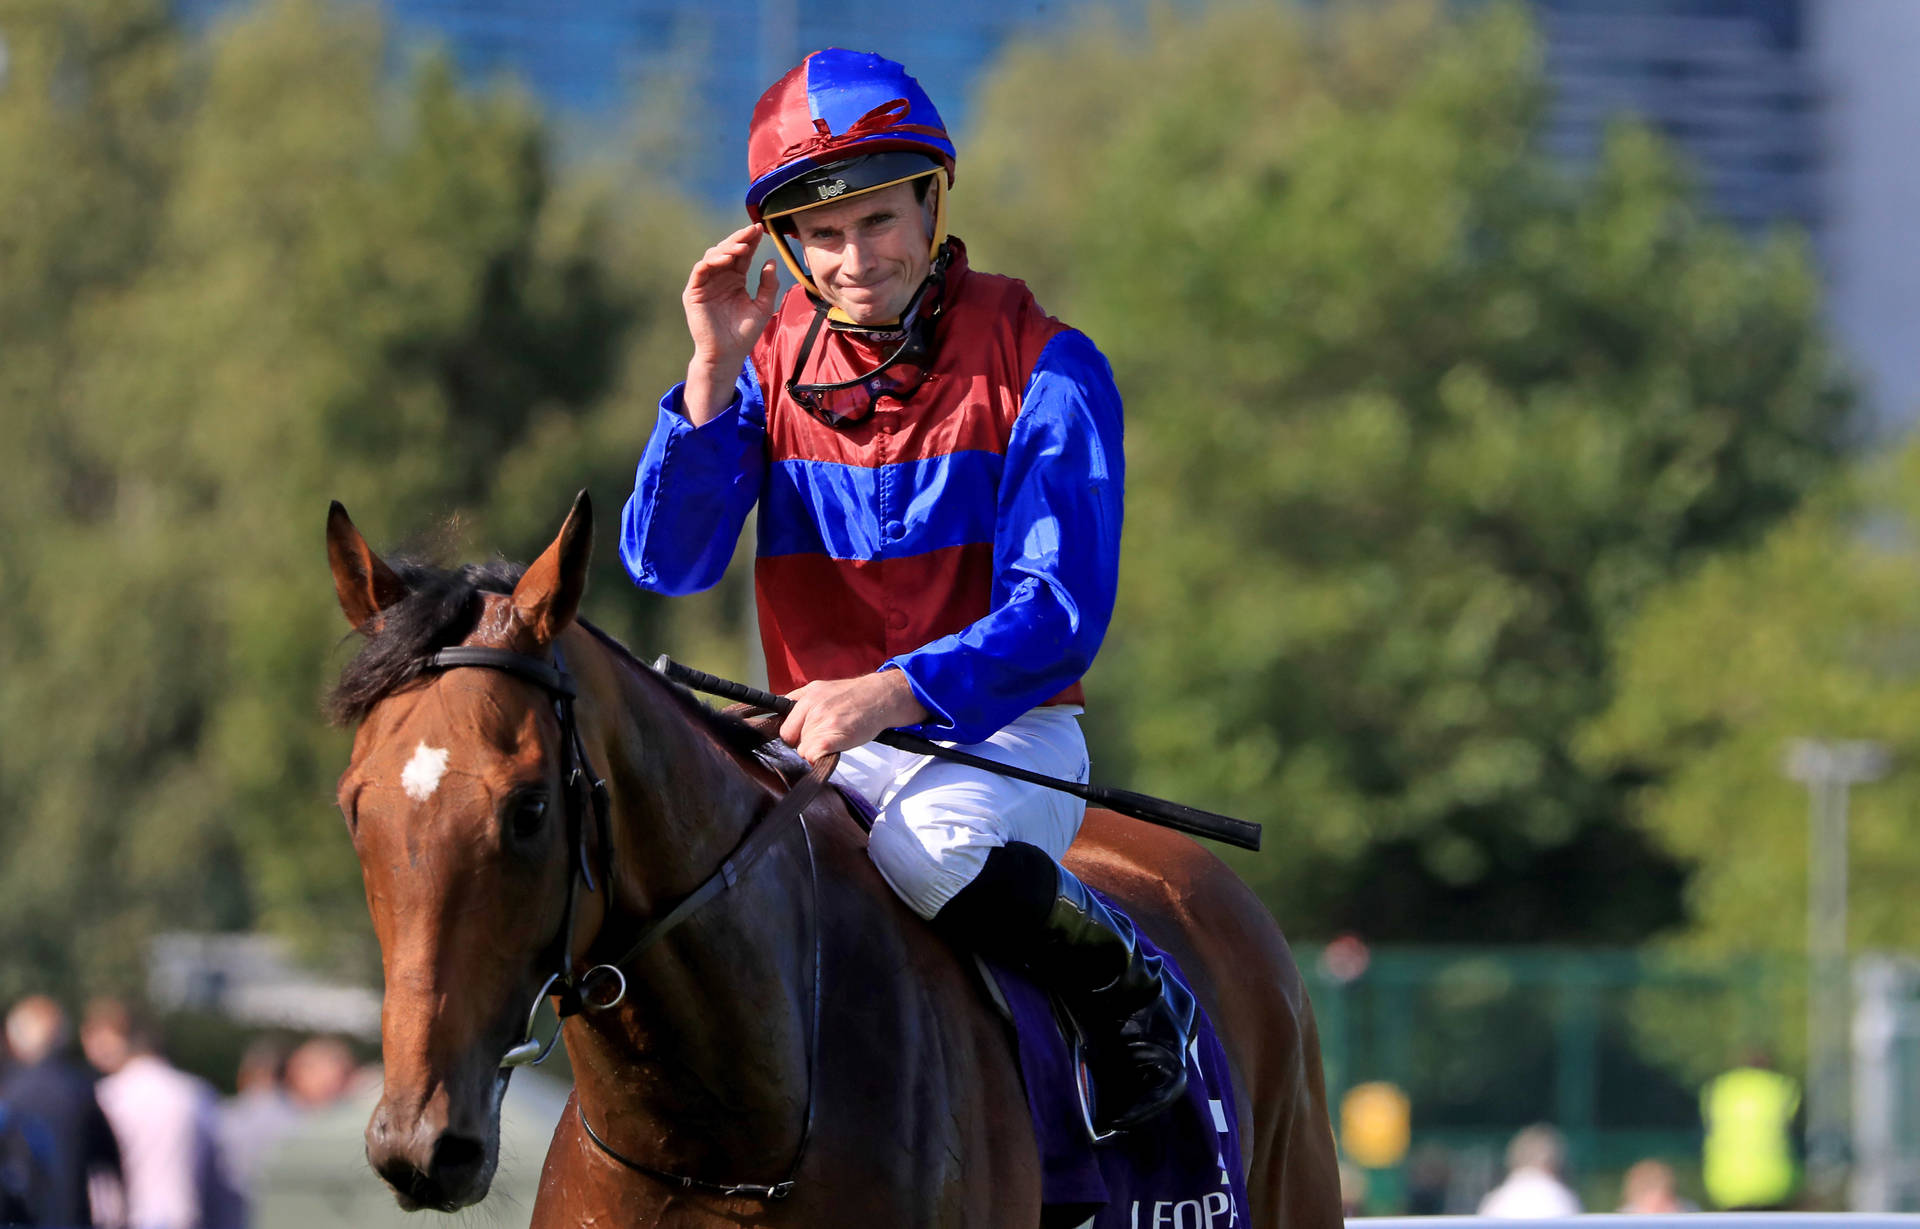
[259, 277]
[1416, 424]
[1813, 633]
[1415, 421]
[1482, 1039]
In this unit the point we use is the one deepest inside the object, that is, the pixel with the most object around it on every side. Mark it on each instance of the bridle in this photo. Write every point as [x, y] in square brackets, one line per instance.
[586, 798]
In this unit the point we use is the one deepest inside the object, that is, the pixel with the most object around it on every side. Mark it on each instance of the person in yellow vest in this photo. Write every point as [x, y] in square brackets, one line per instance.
[1747, 1163]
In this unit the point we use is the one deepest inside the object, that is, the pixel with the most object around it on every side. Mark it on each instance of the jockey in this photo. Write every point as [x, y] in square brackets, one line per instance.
[939, 473]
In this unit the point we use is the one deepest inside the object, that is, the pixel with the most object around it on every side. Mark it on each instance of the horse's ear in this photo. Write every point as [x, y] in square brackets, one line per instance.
[548, 595]
[365, 583]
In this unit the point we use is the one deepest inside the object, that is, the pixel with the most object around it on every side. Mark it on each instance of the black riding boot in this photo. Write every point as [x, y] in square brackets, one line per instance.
[1027, 910]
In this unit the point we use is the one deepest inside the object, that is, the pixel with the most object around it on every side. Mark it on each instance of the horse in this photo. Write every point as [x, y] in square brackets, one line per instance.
[793, 1047]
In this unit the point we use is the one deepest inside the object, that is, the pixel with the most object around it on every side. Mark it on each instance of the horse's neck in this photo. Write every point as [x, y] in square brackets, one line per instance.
[704, 1070]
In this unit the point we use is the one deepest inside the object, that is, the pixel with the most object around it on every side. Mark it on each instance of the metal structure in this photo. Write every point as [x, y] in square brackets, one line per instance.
[1731, 81]
[1829, 770]
[1886, 1084]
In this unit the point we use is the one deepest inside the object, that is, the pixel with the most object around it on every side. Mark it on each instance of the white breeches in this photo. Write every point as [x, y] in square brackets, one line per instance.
[939, 820]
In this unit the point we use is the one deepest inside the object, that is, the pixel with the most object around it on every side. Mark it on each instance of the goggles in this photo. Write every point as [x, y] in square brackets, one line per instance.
[899, 375]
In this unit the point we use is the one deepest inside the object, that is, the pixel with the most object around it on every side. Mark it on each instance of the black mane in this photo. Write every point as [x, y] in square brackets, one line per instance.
[439, 611]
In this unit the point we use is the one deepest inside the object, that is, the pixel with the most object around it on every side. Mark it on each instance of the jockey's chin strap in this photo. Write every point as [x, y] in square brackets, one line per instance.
[586, 795]
[913, 335]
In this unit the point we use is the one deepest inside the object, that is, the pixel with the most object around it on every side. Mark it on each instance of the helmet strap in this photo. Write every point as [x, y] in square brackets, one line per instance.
[915, 332]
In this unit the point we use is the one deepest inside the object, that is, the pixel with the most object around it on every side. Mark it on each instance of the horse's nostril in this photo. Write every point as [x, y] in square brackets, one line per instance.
[415, 1189]
[456, 1157]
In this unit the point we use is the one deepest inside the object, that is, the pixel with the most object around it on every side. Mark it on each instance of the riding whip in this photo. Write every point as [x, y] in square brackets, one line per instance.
[1190, 820]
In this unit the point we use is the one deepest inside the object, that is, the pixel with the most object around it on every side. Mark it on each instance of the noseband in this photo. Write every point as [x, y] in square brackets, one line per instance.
[586, 796]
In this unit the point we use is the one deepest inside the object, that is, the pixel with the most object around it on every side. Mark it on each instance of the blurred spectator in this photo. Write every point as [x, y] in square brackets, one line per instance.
[320, 1072]
[165, 1122]
[1353, 1189]
[1747, 1161]
[1648, 1189]
[48, 1090]
[26, 1169]
[259, 1114]
[1429, 1177]
[1535, 1185]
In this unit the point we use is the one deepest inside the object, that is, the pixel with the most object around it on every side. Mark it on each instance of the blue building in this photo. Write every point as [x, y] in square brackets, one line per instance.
[1730, 79]
[1795, 111]
[707, 61]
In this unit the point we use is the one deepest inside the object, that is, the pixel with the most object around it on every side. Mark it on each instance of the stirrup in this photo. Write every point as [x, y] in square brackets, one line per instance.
[1148, 1054]
[1100, 1127]
[1083, 1090]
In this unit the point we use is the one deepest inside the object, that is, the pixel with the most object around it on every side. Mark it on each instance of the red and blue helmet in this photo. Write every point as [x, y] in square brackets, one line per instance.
[840, 124]
[838, 107]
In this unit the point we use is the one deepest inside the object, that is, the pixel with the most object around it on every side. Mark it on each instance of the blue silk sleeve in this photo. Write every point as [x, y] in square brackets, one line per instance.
[1056, 555]
[693, 490]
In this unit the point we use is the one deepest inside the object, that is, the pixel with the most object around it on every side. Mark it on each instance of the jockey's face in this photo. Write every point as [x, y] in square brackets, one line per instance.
[868, 255]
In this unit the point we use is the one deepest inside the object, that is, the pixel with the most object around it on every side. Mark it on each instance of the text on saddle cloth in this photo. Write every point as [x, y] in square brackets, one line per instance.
[1184, 1168]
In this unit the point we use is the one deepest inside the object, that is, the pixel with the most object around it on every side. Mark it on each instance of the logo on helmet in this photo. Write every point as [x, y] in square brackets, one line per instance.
[828, 191]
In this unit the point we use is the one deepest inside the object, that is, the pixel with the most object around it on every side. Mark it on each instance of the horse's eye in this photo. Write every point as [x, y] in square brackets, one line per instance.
[527, 814]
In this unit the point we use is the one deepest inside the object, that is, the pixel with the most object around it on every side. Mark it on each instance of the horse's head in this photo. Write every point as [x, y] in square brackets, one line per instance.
[455, 804]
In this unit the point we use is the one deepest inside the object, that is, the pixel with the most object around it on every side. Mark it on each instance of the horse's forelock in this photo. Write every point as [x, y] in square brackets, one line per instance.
[440, 610]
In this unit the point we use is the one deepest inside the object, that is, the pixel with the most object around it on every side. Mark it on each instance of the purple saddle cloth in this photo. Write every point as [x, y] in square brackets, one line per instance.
[1180, 1171]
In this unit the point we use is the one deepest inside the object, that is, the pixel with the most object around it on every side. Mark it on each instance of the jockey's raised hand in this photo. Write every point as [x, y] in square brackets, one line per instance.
[724, 318]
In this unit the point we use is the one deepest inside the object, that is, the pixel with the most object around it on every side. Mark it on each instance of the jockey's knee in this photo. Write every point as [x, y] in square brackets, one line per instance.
[924, 880]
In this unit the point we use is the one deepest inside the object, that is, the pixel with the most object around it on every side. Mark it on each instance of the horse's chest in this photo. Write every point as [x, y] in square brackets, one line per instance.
[920, 1120]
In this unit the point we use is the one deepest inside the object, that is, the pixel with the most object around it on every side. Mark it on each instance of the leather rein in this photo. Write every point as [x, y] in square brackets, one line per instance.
[604, 985]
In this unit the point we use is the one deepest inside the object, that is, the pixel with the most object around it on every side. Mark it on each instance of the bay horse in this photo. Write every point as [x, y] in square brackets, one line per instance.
[800, 1050]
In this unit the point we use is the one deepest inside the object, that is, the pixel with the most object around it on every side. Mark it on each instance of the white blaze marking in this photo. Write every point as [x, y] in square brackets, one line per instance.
[423, 772]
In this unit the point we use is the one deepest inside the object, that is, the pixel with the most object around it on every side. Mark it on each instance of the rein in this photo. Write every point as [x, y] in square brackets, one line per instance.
[586, 796]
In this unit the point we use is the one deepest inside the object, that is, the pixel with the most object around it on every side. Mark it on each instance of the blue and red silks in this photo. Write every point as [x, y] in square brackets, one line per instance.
[970, 537]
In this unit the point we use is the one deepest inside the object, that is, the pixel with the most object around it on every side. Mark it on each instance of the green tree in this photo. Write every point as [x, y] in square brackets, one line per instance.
[344, 288]
[1809, 634]
[1415, 420]
[88, 127]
